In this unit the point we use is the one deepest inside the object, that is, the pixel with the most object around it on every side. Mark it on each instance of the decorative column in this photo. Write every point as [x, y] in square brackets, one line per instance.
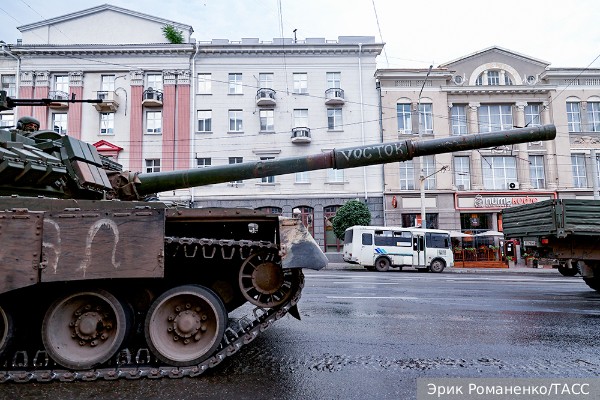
[523, 173]
[136, 121]
[41, 90]
[25, 92]
[551, 159]
[75, 109]
[168, 127]
[476, 168]
[184, 139]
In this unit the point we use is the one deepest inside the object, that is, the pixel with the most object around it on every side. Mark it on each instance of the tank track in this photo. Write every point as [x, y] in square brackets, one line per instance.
[126, 365]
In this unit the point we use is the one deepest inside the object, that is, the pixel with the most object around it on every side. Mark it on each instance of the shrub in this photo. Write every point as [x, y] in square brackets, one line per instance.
[354, 212]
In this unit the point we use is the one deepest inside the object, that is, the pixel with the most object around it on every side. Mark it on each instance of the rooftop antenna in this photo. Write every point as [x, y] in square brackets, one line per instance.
[295, 35]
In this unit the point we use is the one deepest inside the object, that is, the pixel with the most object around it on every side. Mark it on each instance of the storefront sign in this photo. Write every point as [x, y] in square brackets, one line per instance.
[495, 201]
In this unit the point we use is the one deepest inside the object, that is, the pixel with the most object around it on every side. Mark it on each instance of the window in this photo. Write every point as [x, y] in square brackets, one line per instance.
[267, 179]
[578, 168]
[235, 121]
[59, 123]
[9, 84]
[307, 216]
[493, 78]
[334, 119]
[154, 81]
[593, 115]
[334, 80]
[236, 160]
[265, 81]
[495, 117]
[462, 173]
[573, 116]
[107, 83]
[271, 210]
[302, 177]
[407, 175]
[152, 165]
[154, 122]
[203, 162]
[301, 83]
[458, 119]
[235, 83]
[428, 168]
[536, 172]
[107, 123]
[409, 220]
[7, 120]
[61, 83]
[335, 175]
[204, 84]
[404, 118]
[425, 118]
[532, 115]
[204, 120]
[300, 118]
[498, 172]
[267, 121]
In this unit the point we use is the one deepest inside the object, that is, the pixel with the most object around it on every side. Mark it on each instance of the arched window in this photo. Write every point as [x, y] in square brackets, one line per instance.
[307, 216]
[332, 243]
[271, 210]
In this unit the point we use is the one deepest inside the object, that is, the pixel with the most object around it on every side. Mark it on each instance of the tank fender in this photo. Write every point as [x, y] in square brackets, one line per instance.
[298, 247]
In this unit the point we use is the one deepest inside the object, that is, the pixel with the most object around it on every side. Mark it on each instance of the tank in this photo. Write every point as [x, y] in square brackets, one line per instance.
[100, 283]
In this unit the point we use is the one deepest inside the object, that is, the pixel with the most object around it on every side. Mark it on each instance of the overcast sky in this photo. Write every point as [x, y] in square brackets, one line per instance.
[416, 33]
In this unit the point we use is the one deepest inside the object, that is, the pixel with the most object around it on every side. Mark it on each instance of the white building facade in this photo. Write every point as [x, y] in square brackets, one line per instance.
[197, 104]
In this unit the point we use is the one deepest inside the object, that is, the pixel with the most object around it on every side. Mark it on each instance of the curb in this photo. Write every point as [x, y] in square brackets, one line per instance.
[455, 270]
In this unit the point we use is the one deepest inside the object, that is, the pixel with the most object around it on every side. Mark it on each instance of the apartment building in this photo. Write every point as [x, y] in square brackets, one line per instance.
[205, 103]
[490, 90]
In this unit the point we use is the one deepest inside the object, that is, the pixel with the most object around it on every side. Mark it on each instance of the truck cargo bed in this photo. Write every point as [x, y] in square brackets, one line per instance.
[555, 217]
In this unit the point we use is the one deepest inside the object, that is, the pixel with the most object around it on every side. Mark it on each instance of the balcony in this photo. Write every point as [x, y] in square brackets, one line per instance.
[60, 100]
[265, 97]
[109, 102]
[334, 97]
[152, 98]
[301, 135]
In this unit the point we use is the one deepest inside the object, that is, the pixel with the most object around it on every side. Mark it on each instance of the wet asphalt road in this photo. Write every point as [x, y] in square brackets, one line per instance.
[369, 335]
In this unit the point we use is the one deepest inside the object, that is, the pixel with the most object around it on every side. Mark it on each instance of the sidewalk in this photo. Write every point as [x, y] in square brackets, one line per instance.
[453, 270]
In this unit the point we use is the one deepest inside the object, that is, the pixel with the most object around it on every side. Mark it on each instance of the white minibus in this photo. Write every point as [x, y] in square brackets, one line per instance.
[383, 247]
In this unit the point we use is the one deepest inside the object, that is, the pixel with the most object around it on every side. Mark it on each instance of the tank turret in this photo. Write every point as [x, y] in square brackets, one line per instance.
[132, 288]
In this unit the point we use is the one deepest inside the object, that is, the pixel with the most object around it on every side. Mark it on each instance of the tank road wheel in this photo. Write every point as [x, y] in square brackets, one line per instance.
[437, 266]
[85, 329]
[185, 325]
[264, 283]
[6, 329]
[382, 264]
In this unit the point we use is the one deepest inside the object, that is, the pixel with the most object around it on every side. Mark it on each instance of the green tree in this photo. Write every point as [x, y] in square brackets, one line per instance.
[354, 212]
[172, 34]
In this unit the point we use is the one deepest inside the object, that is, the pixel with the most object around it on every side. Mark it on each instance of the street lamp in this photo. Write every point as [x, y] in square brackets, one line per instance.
[422, 180]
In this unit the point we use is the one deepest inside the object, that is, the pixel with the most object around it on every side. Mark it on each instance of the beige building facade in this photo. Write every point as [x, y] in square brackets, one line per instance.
[491, 90]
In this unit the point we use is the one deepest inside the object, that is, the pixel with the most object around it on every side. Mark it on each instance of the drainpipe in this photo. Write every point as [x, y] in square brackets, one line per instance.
[18, 77]
[192, 116]
[362, 115]
[380, 106]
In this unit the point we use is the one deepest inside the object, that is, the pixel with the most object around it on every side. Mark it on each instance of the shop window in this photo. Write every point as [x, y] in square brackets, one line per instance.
[412, 220]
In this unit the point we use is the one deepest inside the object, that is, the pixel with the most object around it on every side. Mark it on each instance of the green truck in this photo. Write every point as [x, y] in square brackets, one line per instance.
[565, 230]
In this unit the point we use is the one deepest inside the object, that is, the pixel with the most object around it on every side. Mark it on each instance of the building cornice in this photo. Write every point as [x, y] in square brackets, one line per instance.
[103, 49]
[500, 89]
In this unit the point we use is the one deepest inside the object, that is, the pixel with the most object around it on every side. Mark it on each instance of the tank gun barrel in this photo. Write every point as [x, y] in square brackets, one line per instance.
[349, 157]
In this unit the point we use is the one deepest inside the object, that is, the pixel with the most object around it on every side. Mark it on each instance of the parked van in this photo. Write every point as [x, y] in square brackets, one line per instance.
[383, 247]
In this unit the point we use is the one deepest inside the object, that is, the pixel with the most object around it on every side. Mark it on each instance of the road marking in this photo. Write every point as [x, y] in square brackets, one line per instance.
[373, 297]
